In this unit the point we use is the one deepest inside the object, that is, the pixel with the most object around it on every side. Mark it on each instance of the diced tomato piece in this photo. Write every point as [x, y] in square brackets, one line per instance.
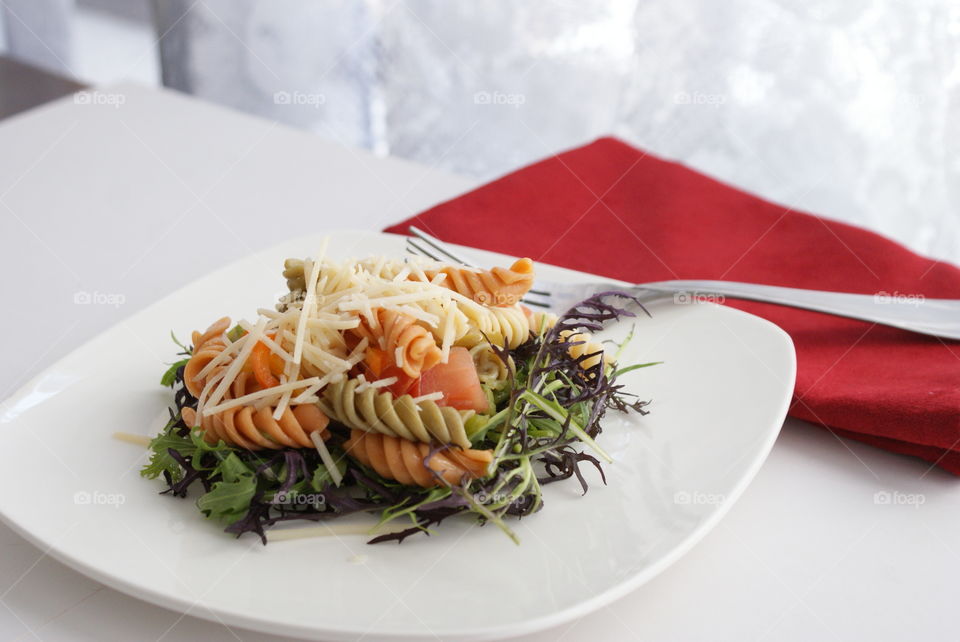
[376, 364]
[405, 385]
[457, 380]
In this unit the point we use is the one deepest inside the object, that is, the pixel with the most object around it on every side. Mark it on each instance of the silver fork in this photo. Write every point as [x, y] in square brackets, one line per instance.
[935, 317]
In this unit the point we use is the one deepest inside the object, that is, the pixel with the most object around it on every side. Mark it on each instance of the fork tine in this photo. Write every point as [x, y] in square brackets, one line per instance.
[415, 248]
[539, 304]
[438, 245]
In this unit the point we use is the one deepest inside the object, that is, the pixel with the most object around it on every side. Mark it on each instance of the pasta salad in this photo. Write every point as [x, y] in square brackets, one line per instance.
[409, 389]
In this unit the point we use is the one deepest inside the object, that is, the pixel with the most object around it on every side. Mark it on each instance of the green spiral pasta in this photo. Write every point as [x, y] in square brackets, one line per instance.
[374, 411]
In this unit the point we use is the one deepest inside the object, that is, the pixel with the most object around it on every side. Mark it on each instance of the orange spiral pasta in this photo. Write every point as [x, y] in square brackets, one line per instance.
[498, 287]
[404, 460]
[206, 347]
[404, 341]
[256, 429]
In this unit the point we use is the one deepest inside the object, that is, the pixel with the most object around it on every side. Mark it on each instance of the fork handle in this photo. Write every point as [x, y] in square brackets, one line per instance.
[937, 317]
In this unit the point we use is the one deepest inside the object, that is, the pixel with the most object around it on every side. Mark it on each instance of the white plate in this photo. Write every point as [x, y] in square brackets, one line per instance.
[718, 403]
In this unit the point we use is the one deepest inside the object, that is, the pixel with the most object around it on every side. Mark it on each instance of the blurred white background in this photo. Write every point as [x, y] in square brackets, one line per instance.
[844, 108]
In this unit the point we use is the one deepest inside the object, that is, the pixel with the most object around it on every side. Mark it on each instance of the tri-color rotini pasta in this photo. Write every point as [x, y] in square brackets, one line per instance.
[207, 346]
[391, 386]
[498, 286]
[409, 462]
[412, 348]
[374, 411]
[256, 429]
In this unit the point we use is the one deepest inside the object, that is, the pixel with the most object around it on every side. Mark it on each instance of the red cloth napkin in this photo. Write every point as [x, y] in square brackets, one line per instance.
[611, 209]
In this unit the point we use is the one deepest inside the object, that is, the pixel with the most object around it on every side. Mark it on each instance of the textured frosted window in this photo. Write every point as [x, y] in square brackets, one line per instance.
[848, 109]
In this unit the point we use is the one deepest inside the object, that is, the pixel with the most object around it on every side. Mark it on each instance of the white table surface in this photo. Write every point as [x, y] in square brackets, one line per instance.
[122, 201]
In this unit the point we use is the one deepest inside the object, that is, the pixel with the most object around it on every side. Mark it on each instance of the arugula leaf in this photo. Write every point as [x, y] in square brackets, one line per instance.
[199, 447]
[232, 468]
[170, 376]
[322, 477]
[229, 499]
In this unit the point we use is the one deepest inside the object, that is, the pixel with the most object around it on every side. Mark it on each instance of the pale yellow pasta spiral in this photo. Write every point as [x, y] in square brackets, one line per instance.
[379, 412]
[407, 461]
[504, 327]
[491, 369]
[295, 271]
[585, 345]
[540, 320]
[206, 347]
[412, 346]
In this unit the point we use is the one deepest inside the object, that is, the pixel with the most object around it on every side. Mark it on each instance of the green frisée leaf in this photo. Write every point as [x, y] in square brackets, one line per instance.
[160, 459]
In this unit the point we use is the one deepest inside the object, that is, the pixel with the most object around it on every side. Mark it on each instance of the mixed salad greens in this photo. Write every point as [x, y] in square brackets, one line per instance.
[541, 422]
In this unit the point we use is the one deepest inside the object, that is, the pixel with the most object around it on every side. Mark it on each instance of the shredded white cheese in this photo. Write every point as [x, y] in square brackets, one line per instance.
[291, 372]
[433, 396]
[327, 460]
[379, 383]
[309, 301]
[275, 348]
[130, 438]
[249, 341]
[398, 356]
[449, 332]
[274, 392]
[311, 391]
[225, 355]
